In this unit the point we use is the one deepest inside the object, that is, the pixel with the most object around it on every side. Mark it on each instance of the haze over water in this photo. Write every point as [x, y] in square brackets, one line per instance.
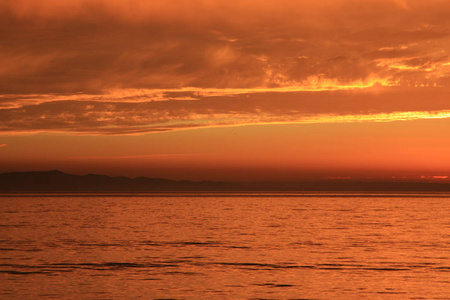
[269, 246]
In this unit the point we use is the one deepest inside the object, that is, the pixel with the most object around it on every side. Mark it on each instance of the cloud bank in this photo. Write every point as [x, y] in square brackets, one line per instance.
[118, 67]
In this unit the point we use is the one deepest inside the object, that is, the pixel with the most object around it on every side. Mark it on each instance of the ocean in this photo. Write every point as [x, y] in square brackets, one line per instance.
[225, 246]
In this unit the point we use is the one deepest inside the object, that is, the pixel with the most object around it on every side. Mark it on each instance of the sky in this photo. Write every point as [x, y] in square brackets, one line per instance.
[226, 90]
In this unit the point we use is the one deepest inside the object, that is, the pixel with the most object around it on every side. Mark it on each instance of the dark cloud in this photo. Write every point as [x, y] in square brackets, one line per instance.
[93, 45]
[57, 58]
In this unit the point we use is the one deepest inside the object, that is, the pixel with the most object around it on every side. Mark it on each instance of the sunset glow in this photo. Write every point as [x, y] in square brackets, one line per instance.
[212, 89]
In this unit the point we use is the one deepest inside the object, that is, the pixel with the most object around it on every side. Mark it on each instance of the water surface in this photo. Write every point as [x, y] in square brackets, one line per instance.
[225, 246]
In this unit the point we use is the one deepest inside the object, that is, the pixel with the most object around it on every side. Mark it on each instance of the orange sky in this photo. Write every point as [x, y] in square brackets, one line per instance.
[211, 89]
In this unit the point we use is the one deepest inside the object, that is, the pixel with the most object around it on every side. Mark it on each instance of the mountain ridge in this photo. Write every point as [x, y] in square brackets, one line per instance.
[58, 181]
[55, 180]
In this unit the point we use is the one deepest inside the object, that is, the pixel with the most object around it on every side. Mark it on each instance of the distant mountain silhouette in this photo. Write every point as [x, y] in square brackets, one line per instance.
[327, 185]
[57, 181]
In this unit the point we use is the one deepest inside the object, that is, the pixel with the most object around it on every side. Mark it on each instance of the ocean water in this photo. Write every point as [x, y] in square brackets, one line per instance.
[225, 246]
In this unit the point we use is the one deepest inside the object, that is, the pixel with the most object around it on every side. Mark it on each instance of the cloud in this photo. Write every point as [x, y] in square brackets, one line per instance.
[2, 145]
[143, 66]
[106, 157]
[312, 83]
[90, 46]
[219, 109]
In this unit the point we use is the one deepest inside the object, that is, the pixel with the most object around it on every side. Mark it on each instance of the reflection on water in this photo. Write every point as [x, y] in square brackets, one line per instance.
[293, 246]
